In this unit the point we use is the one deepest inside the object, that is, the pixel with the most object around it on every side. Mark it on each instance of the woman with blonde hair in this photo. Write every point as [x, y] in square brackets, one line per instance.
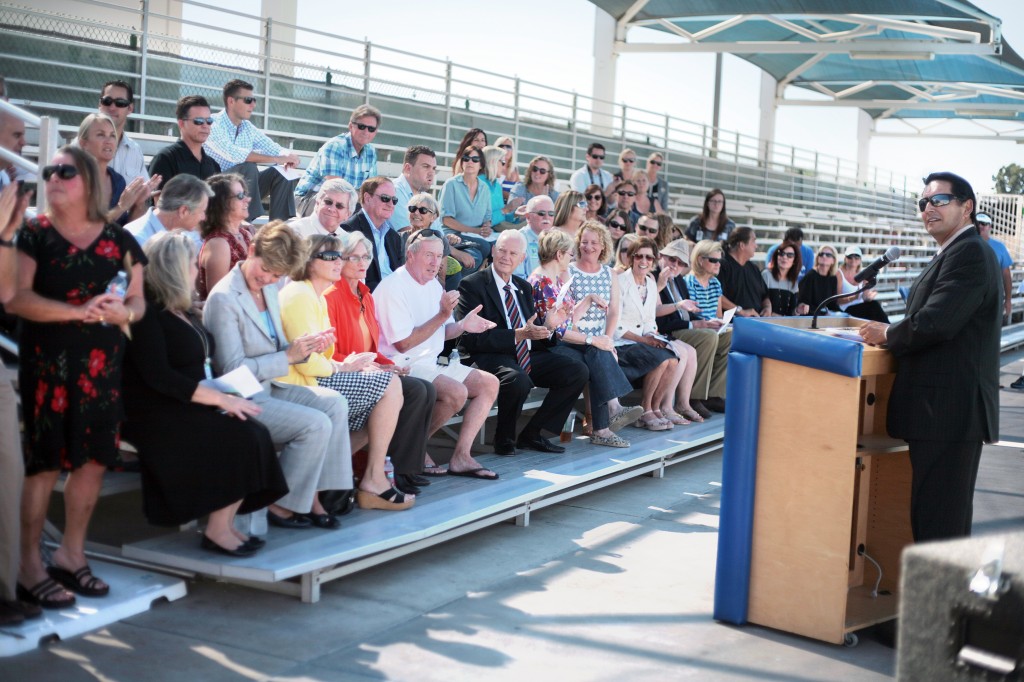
[820, 282]
[540, 179]
[511, 169]
[570, 212]
[702, 280]
[494, 171]
[97, 136]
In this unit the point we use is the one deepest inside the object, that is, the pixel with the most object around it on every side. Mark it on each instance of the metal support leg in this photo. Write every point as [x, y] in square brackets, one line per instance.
[311, 587]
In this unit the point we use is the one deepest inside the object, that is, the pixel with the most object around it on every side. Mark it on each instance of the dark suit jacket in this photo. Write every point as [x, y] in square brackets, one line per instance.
[676, 320]
[947, 348]
[392, 245]
[478, 289]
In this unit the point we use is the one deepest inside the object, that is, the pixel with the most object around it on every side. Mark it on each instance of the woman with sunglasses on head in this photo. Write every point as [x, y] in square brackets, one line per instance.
[570, 212]
[540, 179]
[202, 451]
[511, 177]
[226, 235]
[374, 396]
[466, 203]
[657, 188]
[70, 371]
[460, 261]
[667, 367]
[353, 315]
[820, 282]
[782, 276]
[97, 135]
[713, 222]
[474, 137]
[597, 207]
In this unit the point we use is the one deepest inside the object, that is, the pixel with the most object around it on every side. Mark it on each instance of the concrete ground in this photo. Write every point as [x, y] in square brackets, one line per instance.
[617, 585]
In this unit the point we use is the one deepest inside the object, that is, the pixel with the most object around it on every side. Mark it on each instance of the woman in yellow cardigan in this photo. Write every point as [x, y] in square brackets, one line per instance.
[374, 396]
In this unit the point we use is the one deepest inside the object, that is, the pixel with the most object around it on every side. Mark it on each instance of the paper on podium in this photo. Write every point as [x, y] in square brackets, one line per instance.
[239, 381]
[289, 173]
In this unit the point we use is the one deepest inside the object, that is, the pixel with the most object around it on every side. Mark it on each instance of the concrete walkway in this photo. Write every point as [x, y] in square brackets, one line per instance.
[617, 585]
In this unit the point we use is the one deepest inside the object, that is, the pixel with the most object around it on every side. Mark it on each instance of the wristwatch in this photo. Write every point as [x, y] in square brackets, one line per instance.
[590, 339]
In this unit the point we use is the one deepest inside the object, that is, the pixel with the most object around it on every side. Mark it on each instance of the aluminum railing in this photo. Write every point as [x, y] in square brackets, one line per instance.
[1007, 211]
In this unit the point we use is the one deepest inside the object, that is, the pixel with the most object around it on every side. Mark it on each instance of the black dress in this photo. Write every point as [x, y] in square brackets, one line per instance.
[194, 459]
[70, 372]
[815, 288]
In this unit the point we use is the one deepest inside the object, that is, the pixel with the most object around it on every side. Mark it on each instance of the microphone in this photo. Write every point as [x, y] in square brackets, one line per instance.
[871, 271]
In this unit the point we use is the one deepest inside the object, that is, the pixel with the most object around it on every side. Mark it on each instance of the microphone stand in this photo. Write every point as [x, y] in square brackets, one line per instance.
[868, 284]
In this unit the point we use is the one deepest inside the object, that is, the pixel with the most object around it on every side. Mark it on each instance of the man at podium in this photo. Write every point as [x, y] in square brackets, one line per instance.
[944, 399]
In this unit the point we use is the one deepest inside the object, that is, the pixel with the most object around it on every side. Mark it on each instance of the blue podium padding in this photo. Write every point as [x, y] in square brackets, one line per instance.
[797, 346]
[739, 468]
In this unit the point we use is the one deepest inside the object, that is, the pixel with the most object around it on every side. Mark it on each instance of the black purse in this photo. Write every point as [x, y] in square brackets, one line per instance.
[338, 502]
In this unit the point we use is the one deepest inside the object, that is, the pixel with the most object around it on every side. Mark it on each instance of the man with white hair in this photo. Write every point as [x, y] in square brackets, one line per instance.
[415, 315]
[182, 204]
[540, 215]
[333, 206]
[518, 351]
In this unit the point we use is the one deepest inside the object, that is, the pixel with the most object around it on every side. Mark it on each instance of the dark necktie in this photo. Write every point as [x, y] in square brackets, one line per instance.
[522, 351]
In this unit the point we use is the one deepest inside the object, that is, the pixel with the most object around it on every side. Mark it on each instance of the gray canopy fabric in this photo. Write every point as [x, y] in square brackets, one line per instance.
[906, 59]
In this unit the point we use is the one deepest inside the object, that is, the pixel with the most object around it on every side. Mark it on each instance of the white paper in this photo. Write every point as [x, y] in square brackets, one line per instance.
[239, 381]
[562, 293]
[289, 173]
[726, 319]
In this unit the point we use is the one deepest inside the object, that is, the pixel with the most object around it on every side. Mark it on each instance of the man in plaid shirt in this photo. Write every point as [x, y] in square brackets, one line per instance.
[237, 146]
[349, 156]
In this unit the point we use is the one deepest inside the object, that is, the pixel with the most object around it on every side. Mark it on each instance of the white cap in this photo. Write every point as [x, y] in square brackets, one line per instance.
[983, 218]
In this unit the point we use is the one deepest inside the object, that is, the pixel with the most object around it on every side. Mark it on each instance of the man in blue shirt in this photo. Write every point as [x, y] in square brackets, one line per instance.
[418, 173]
[984, 223]
[182, 204]
[349, 156]
[238, 145]
[377, 196]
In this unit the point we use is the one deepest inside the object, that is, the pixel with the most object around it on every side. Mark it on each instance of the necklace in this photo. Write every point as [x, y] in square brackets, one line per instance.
[207, 365]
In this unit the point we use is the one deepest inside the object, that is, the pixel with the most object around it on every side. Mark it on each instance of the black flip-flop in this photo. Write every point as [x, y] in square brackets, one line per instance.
[475, 473]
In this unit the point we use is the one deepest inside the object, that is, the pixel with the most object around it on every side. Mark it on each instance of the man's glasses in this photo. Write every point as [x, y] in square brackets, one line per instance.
[64, 171]
[336, 204]
[363, 126]
[466, 158]
[422, 210]
[935, 200]
[616, 225]
[624, 193]
[538, 169]
[385, 198]
[550, 214]
[208, 121]
[649, 229]
[247, 100]
[598, 157]
[712, 260]
[119, 102]
[787, 254]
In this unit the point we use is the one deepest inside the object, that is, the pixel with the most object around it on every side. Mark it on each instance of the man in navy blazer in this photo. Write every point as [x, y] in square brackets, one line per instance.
[944, 400]
[377, 204]
[497, 351]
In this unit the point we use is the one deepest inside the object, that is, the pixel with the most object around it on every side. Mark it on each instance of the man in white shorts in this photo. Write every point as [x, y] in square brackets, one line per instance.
[415, 315]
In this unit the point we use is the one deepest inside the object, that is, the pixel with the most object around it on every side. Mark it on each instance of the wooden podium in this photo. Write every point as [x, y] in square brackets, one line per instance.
[813, 484]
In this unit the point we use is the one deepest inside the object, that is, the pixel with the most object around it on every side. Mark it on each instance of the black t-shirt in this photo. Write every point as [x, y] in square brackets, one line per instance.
[178, 158]
[742, 284]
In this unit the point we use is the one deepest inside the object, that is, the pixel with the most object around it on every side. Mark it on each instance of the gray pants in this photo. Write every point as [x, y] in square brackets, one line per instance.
[260, 184]
[712, 356]
[12, 474]
[310, 425]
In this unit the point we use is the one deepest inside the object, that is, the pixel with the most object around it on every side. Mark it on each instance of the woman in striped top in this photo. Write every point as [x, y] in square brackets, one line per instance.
[705, 262]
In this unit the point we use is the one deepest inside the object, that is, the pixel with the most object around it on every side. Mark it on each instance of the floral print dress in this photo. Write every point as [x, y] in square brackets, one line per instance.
[71, 371]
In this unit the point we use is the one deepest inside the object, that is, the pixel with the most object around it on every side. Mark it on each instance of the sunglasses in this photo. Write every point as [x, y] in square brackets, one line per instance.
[624, 193]
[506, 147]
[599, 157]
[363, 126]
[827, 255]
[365, 258]
[582, 204]
[208, 121]
[247, 100]
[787, 254]
[594, 197]
[385, 198]
[119, 102]
[630, 160]
[712, 260]
[423, 234]
[337, 204]
[643, 256]
[240, 196]
[647, 228]
[935, 200]
[616, 225]
[655, 162]
[466, 158]
[422, 210]
[64, 171]
[550, 214]
[536, 169]
[327, 255]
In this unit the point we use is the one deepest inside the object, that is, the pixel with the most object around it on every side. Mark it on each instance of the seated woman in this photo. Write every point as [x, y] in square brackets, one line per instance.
[782, 277]
[511, 176]
[864, 306]
[493, 174]
[618, 223]
[645, 203]
[597, 206]
[713, 223]
[226, 235]
[97, 136]
[621, 263]
[374, 397]
[466, 202]
[702, 281]
[820, 282]
[570, 212]
[308, 423]
[666, 368]
[200, 454]
[540, 179]
[353, 315]
[459, 262]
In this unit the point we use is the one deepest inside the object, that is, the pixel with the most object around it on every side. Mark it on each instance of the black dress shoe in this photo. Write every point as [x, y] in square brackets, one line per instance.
[699, 407]
[328, 521]
[1019, 383]
[255, 541]
[539, 443]
[505, 448]
[715, 404]
[417, 480]
[243, 549]
[404, 486]
[293, 521]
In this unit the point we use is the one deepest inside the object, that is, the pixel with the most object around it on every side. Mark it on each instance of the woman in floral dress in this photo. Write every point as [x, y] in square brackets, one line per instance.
[70, 373]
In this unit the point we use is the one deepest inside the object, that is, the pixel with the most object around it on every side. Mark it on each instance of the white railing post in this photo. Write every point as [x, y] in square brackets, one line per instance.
[515, 113]
[47, 149]
[144, 63]
[267, 48]
[575, 128]
[366, 73]
[623, 132]
[448, 105]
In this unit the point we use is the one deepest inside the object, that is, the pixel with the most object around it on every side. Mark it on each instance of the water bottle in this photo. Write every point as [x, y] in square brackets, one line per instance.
[568, 427]
[389, 471]
[119, 285]
[454, 358]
